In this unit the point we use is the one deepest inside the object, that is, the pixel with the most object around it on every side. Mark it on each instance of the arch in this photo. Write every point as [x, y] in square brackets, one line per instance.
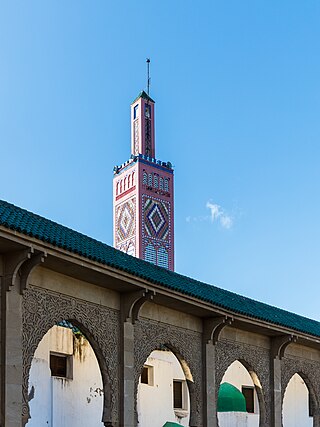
[255, 360]
[313, 399]
[236, 378]
[63, 367]
[125, 184]
[161, 183]
[120, 186]
[43, 309]
[117, 188]
[150, 253]
[166, 184]
[133, 178]
[162, 371]
[186, 345]
[163, 257]
[145, 178]
[156, 181]
[150, 180]
[129, 180]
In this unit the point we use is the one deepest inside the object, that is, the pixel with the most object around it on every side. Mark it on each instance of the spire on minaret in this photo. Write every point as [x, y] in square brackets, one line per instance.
[148, 78]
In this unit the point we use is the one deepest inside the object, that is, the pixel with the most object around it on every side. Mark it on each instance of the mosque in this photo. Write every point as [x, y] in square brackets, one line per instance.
[98, 336]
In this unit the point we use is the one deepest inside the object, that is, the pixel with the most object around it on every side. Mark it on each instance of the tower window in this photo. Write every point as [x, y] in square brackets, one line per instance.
[150, 180]
[156, 181]
[150, 253]
[161, 184]
[135, 111]
[163, 259]
[248, 393]
[147, 111]
[145, 178]
[166, 184]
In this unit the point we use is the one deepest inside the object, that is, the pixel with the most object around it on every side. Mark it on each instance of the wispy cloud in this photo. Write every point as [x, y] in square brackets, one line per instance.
[217, 214]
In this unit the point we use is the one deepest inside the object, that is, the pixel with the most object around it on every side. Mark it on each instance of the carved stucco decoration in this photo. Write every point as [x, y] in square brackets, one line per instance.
[257, 361]
[42, 309]
[310, 372]
[185, 344]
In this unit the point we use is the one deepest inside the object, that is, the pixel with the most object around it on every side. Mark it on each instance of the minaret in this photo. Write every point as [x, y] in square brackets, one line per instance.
[143, 193]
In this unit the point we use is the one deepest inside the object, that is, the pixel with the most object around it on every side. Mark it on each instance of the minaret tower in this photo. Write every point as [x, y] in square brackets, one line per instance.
[143, 193]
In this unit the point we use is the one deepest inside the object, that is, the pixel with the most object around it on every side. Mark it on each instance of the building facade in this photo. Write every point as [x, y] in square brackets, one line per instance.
[127, 308]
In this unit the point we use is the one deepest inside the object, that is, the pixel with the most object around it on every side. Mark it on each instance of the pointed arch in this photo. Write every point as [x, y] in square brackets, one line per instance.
[186, 345]
[43, 309]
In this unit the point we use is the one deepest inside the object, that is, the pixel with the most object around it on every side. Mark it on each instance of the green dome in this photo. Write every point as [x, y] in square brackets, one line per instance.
[171, 424]
[230, 399]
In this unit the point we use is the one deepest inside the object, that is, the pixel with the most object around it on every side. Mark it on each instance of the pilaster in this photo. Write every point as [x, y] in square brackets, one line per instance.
[212, 328]
[278, 346]
[131, 304]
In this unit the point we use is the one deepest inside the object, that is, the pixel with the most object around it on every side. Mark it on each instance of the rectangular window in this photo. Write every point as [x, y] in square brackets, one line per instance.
[147, 375]
[61, 365]
[58, 365]
[135, 112]
[248, 393]
[177, 395]
[147, 111]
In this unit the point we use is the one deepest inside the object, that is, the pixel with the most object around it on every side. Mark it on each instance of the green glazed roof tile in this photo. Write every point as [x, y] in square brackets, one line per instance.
[30, 224]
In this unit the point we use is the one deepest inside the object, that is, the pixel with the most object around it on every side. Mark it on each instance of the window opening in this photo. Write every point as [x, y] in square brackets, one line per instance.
[166, 185]
[161, 184]
[145, 178]
[156, 180]
[248, 393]
[135, 111]
[150, 180]
[147, 375]
[150, 253]
[177, 394]
[58, 365]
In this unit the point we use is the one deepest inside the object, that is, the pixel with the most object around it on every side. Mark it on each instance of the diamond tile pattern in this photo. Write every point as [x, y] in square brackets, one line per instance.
[156, 218]
[29, 224]
[125, 217]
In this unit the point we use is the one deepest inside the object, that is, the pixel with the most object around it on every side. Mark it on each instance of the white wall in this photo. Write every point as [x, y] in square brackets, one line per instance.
[155, 402]
[238, 376]
[60, 402]
[296, 404]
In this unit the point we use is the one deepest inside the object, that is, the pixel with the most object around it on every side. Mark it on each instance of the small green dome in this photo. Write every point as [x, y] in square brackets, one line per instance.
[171, 424]
[230, 399]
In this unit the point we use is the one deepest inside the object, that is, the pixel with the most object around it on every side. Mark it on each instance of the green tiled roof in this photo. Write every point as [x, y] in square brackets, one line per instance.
[30, 224]
[143, 95]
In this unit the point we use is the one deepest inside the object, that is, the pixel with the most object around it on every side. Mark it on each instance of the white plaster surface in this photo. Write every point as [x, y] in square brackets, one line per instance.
[60, 402]
[296, 404]
[155, 402]
[238, 376]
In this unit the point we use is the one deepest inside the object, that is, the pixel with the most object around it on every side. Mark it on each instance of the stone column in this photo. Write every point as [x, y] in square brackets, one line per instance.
[11, 356]
[127, 389]
[276, 389]
[131, 304]
[210, 385]
[212, 328]
[278, 347]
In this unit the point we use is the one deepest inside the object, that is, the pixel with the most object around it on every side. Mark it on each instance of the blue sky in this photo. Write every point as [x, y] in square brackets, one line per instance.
[237, 92]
